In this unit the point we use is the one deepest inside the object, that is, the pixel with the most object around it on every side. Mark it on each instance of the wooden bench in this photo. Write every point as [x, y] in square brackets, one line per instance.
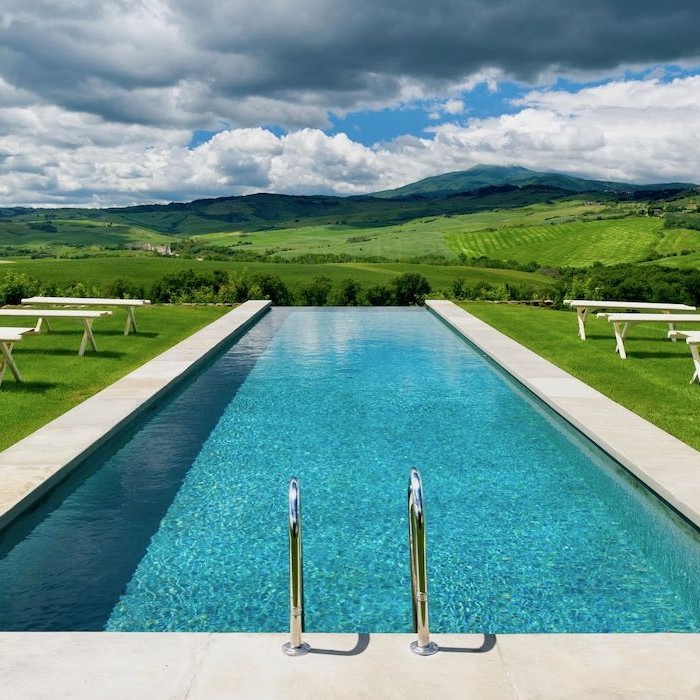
[585, 306]
[128, 304]
[9, 335]
[621, 323]
[85, 316]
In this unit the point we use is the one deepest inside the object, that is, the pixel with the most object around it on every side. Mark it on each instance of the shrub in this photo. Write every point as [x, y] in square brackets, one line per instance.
[379, 295]
[188, 286]
[273, 288]
[410, 288]
[315, 292]
[121, 289]
[347, 293]
[78, 288]
[237, 290]
[16, 285]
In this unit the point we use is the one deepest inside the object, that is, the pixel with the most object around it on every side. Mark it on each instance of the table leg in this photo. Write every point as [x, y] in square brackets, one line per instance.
[696, 361]
[42, 322]
[130, 321]
[87, 336]
[8, 361]
[581, 318]
[671, 328]
[619, 339]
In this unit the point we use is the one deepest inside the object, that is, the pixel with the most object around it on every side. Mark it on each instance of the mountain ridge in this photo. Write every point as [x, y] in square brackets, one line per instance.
[465, 192]
[483, 176]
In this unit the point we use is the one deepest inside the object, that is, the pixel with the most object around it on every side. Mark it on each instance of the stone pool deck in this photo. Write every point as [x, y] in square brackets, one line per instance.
[154, 666]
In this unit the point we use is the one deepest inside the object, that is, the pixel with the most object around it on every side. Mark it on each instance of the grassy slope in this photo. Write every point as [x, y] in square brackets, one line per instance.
[675, 240]
[571, 244]
[685, 261]
[55, 378]
[77, 232]
[436, 235]
[653, 382]
[570, 232]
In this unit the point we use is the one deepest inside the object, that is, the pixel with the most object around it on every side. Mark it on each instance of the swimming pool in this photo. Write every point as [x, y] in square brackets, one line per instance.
[183, 527]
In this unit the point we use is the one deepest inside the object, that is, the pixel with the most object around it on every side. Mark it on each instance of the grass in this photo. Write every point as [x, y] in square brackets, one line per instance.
[432, 235]
[676, 240]
[569, 232]
[574, 244]
[56, 379]
[653, 382]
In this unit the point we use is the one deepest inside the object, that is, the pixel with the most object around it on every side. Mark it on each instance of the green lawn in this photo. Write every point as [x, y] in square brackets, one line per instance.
[55, 378]
[653, 382]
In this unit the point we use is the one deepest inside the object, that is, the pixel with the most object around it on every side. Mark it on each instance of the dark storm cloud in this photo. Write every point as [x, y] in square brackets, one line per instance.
[189, 63]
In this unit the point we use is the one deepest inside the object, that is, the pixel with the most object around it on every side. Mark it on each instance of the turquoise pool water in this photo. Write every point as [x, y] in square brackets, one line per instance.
[183, 527]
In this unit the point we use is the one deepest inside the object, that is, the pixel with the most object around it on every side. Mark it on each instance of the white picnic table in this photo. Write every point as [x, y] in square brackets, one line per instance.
[85, 316]
[692, 338]
[585, 306]
[621, 323]
[9, 335]
[128, 304]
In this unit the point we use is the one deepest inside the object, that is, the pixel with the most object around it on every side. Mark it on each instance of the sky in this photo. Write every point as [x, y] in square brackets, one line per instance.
[120, 102]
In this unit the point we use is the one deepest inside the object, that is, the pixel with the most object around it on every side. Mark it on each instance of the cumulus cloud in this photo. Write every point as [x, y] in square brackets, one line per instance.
[99, 100]
[634, 131]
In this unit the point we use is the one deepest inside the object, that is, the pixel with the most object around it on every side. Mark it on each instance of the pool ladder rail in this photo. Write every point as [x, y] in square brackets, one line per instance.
[295, 646]
[419, 570]
[419, 566]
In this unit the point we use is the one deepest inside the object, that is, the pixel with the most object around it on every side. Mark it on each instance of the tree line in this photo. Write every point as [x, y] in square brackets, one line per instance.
[625, 282]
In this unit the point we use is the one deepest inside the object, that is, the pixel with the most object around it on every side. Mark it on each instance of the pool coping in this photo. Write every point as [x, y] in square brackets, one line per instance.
[669, 467]
[240, 665]
[33, 465]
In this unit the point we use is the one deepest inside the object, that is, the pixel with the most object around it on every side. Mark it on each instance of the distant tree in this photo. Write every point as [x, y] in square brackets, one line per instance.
[273, 288]
[315, 292]
[410, 288]
[379, 295]
[347, 293]
[122, 289]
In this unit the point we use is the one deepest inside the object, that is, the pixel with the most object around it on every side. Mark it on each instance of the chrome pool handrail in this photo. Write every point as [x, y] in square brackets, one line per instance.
[419, 566]
[295, 646]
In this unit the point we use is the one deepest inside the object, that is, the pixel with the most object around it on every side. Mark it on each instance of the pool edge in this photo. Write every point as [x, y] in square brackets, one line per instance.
[33, 465]
[668, 466]
[204, 666]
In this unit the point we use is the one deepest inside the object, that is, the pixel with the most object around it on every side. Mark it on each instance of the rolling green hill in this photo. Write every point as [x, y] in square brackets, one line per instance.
[480, 189]
[575, 244]
[514, 218]
[492, 176]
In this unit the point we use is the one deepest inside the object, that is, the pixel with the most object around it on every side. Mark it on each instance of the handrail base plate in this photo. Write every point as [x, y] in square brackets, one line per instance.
[302, 649]
[428, 650]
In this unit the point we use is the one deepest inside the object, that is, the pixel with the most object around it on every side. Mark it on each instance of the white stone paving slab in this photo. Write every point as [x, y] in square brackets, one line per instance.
[174, 666]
